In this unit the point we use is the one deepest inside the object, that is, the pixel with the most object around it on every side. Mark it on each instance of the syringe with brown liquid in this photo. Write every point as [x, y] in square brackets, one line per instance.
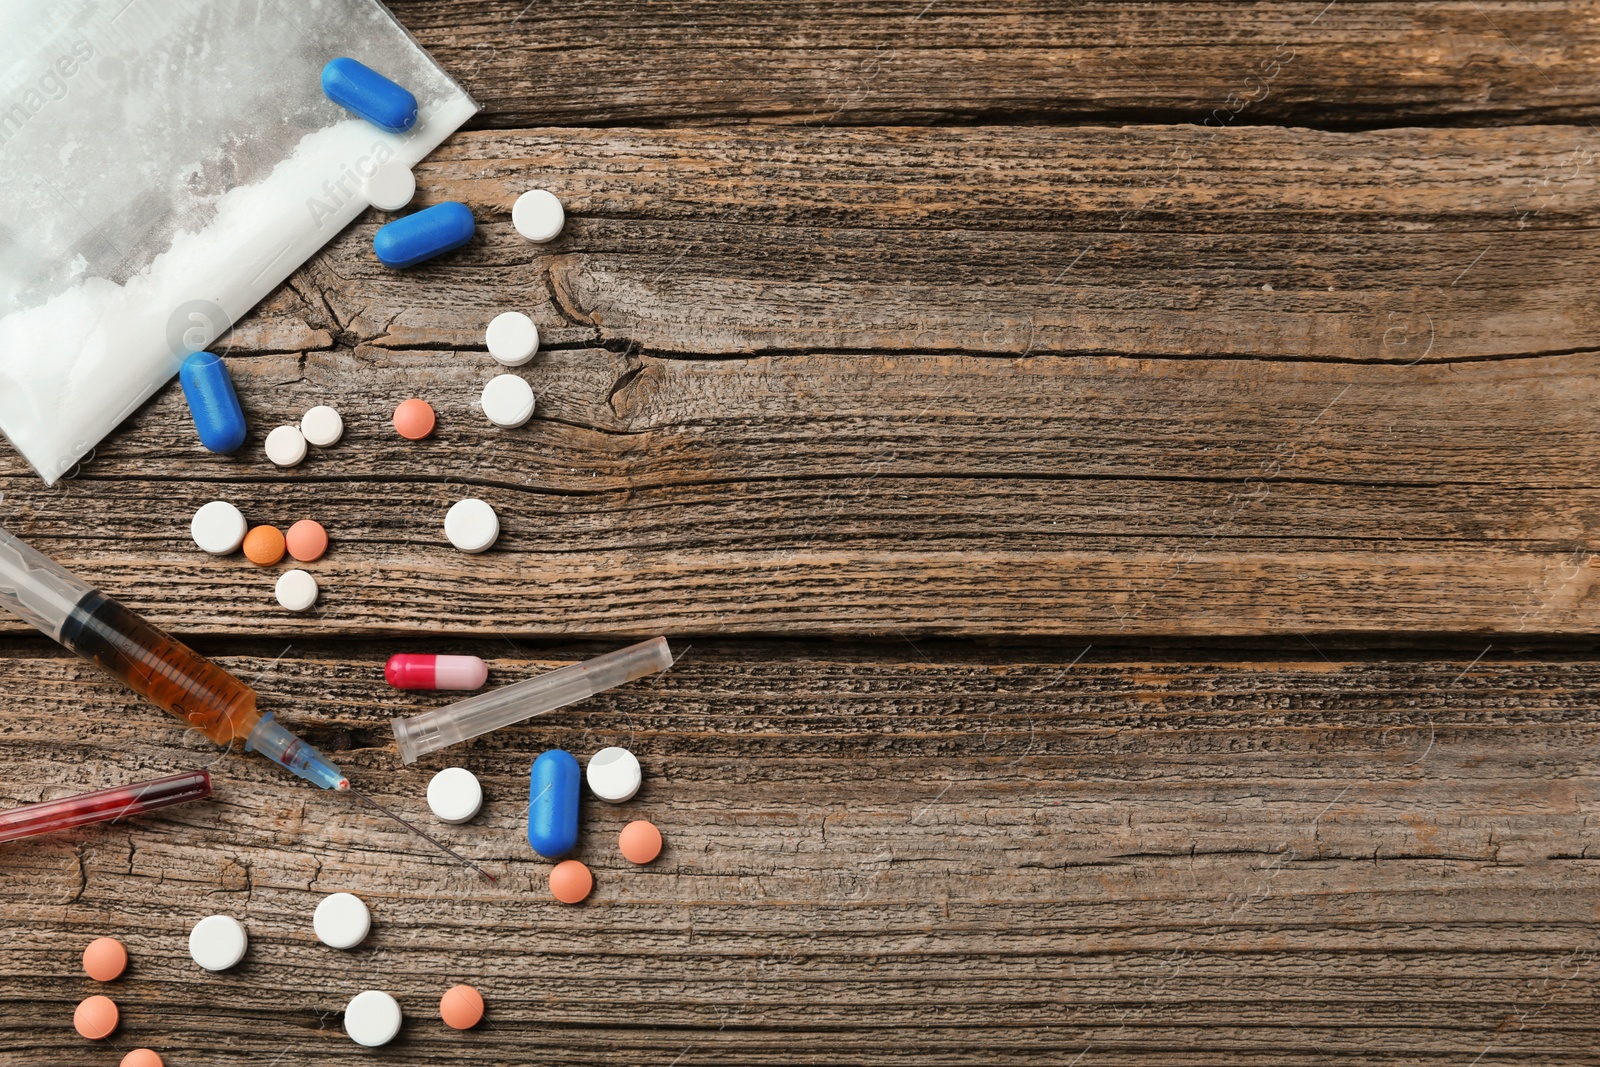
[154, 664]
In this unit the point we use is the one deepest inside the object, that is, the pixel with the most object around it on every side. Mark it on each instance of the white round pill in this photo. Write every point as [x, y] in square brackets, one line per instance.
[454, 794]
[286, 446]
[512, 338]
[341, 920]
[471, 525]
[538, 215]
[322, 426]
[218, 528]
[372, 1018]
[297, 590]
[217, 942]
[390, 187]
[614, 774]
[508, 401]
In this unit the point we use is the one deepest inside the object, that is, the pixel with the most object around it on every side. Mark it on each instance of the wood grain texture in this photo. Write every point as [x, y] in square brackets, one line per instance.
[823, 441]
[902, 496]
[1387, 246]
[876, 854]
[903, 63]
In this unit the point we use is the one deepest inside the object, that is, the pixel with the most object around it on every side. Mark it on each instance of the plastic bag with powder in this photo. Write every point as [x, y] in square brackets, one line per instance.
[167, 164]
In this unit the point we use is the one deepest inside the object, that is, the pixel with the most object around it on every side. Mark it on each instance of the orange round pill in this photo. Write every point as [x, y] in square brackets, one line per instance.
[306, 540]
[570, 881]
[96, 1017]
[264, 546]
[413, 419]
[639, 841]
[105, 959]
[461, 1007]
[142, 1057]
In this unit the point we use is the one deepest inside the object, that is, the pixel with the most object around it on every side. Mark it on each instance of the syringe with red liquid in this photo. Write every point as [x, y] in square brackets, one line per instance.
[103, 805]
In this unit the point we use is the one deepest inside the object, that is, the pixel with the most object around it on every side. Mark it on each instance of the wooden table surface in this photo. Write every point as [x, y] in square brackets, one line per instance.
[1119, 478]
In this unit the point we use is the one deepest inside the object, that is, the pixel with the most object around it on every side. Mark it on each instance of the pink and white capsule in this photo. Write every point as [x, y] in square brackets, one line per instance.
[409, 670]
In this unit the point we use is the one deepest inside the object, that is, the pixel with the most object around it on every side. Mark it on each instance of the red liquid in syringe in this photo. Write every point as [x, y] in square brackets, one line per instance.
[103, 805]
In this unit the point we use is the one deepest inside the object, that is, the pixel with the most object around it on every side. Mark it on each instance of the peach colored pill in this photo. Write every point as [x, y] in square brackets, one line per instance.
[640, 841]
[264, 546]
[570, 881]
[96, 1017]
[105, 959]
[414, 419]
[461, 1007]
[142, 1057]
[307, 540]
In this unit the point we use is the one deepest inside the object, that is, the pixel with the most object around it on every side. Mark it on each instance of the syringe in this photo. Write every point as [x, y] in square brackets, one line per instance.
[102, 805]
[154, 664]
[161, 668]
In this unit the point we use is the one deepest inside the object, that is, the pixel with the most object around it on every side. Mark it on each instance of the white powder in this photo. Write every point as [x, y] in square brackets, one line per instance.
[210, 167]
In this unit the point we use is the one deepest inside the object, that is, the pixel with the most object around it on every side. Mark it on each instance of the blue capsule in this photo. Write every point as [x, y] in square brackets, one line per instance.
[358, 88]
[430, 232]
[212, 402]
[553, 804]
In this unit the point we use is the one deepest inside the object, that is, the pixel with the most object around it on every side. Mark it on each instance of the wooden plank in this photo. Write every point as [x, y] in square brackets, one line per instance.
[911, 62]
[881, 854]
[1388, 246]
[887, 496]
[1121, 496]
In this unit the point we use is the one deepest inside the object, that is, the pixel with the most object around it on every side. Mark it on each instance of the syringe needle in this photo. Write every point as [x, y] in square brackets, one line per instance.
[452, 853]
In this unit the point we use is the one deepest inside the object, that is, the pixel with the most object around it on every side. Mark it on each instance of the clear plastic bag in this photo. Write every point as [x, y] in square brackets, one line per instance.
[167, 163]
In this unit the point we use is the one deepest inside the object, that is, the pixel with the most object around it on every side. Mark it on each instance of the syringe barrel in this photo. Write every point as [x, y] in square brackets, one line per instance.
[103, 805]
[153, 663]
[432, 730]
[160, 668]
[36, 588]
